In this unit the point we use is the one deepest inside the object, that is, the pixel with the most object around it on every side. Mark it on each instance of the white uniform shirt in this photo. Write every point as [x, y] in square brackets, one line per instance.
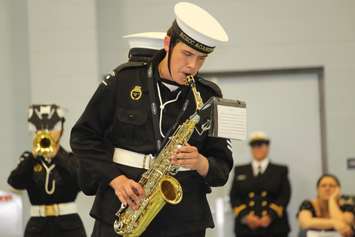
[262, 165]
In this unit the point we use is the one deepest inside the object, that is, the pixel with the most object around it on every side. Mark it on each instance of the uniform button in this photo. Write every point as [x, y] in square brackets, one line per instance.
[37, 168]
[251, 203]
[263, 193]
[251, 194]
[264, 203]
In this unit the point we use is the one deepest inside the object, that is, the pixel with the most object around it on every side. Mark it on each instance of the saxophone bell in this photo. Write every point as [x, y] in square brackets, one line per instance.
[171, 190]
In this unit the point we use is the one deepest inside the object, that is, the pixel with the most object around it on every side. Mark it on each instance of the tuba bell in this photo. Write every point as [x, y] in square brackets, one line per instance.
[44, 144]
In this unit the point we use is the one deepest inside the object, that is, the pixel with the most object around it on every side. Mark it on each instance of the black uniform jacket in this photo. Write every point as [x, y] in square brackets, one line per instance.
[268, 193]
[30, 174]
[141, 54]
[113, 118]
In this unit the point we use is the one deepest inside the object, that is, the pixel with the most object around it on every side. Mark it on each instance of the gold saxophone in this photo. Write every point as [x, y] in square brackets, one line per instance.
[158, 184]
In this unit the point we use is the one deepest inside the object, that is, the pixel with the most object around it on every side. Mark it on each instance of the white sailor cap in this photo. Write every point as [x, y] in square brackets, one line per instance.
[197, 28]
[258, 136]
[146, 40]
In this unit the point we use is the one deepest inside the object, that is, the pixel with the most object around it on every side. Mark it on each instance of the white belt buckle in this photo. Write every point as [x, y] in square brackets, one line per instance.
[150, 158]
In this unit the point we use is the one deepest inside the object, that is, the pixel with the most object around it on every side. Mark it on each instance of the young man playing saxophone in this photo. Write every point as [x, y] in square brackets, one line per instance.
[131, 115]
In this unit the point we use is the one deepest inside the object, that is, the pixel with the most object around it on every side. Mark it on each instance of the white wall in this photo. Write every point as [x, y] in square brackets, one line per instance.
[14, 84]
[14, 88]
[63, 54]
[7, 123]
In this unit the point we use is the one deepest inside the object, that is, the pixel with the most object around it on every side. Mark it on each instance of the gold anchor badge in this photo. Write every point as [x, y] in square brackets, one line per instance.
[136, 93]
[37, 168]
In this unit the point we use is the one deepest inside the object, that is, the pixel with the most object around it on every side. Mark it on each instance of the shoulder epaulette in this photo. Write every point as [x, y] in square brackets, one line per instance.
[26, 155]
[211, 85]
[120, 68]
[128, 65]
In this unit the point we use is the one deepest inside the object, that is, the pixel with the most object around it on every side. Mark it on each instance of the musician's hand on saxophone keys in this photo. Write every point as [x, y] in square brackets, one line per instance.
[188, 156]
[128, 191]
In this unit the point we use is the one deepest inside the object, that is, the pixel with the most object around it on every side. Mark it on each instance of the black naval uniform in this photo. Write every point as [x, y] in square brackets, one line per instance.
[30, 174]
[115, 117]
[268, 193]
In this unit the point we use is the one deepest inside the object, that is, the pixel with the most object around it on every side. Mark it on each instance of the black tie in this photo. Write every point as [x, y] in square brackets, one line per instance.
[259, 171]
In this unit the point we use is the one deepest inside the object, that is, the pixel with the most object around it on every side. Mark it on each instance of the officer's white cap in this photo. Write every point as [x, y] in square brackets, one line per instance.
[147, 40]
[199, 24]
[258, 136]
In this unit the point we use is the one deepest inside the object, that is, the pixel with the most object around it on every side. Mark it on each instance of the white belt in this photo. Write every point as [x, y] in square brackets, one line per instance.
[59, 209]
[134, 159]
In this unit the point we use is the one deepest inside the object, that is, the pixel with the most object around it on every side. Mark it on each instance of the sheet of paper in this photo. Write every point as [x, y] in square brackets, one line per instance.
[312, 233]
[232, 122]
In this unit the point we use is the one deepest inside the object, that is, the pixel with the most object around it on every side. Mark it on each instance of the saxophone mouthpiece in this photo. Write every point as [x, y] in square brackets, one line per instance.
[189, 80]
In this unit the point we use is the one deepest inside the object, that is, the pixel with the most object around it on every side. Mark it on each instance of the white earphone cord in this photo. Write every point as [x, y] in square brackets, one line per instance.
[162, 106]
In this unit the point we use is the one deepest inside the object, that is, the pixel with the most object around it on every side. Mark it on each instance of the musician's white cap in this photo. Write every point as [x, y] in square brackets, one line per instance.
[201, 28]
[146, 40]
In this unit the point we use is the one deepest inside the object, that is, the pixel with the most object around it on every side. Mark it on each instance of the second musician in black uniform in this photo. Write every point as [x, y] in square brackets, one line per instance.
[50, 180]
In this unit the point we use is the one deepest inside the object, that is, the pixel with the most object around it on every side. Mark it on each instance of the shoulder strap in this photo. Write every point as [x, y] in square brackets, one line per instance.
[130, 64]
[117, 70]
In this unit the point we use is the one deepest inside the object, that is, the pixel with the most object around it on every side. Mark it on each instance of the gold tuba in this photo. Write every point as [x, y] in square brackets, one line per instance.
[44, 144]
[158, 184]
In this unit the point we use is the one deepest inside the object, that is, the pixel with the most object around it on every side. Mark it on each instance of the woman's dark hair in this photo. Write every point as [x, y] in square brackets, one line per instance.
[328, 176]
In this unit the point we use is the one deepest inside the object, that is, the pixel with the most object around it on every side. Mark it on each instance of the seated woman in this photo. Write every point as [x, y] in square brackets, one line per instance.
[328, 211]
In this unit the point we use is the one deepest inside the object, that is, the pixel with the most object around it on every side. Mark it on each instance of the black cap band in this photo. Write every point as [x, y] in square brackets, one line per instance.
[259, 142]
[190, 41]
